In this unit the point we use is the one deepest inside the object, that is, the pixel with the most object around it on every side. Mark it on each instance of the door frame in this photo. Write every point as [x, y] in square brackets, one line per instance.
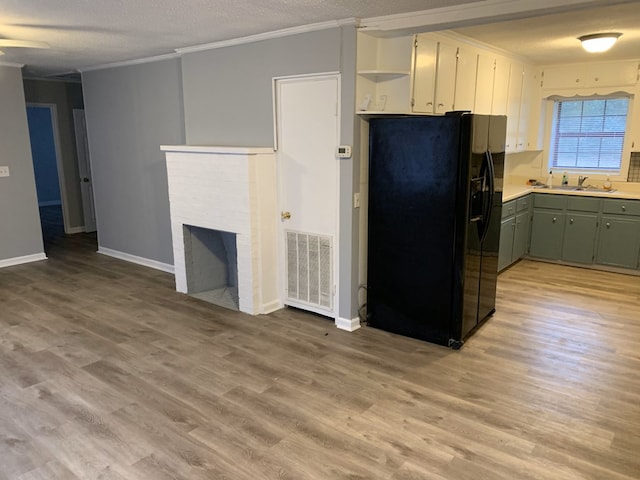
[79, 116]
[53, 111]
[282, 277]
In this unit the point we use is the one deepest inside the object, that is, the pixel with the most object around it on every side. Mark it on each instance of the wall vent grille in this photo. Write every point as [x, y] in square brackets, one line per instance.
[309, 269]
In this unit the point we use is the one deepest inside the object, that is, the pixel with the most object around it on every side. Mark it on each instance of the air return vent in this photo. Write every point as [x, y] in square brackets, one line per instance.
[309, 269]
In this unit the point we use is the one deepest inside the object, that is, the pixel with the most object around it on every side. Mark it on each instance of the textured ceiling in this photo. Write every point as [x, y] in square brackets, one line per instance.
[553, 39]
[83, 33]
[86, 33]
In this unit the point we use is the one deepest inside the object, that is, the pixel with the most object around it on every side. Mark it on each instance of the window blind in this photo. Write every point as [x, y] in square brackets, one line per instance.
[588, 134]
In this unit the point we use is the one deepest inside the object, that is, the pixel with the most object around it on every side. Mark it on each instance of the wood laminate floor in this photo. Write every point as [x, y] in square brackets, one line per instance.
[107, 373]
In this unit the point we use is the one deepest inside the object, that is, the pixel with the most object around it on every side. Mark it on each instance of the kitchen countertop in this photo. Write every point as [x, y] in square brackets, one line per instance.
[511, 192]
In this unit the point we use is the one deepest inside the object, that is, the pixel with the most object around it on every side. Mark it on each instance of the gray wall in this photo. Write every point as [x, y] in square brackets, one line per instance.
[131, 111]
[20, 232]
[228, 100]
[66, 96]
[228, 91]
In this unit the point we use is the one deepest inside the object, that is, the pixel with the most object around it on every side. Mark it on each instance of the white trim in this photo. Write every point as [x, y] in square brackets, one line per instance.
[127, 257]
[314, 27]
[348, 325]
[217, 149]
[271, 307]
[9, 262]
[461, 15]
[11, 64]
[128, 63]
[50, 203]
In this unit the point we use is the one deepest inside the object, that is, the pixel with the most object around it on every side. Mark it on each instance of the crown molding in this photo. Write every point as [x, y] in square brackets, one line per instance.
[128, 63]
[11, 64]
[269, 35]
[466, 14]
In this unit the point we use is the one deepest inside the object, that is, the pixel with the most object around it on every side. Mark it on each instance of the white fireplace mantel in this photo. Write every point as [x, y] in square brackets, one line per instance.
[231, 189]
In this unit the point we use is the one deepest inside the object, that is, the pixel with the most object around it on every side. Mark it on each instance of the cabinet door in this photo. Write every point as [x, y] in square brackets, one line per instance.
[500, 97]
[528, 94]
[513, 106]
[546, 234]
[484, 84]
[507, 232]
[466, 70]
[579, 237]
[564, 76]
[445, 77]
[612, 75]
[424, 75]
[619, 242]
[521, 237]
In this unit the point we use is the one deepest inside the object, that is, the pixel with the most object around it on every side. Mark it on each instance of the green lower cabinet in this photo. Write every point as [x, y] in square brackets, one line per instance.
[547, 230]
[579, 237]
[619, 242]
[521, 235]
[507, 232]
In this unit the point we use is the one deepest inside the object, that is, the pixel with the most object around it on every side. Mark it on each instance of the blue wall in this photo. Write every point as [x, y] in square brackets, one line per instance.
[43, 151]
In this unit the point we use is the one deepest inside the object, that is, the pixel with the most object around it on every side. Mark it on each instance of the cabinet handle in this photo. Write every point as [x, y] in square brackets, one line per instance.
[571, 220]
[554, 219]
[429, 104]
[440, 105]
[608, 225]
[624, 208]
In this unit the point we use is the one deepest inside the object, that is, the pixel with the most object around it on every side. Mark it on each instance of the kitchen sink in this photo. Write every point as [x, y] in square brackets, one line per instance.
[576, 188]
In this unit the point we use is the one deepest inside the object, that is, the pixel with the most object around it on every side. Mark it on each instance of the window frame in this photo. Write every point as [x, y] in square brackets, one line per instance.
[620, 175]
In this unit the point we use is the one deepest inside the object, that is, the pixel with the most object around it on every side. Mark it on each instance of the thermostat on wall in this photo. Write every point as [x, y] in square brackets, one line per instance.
[343, 151]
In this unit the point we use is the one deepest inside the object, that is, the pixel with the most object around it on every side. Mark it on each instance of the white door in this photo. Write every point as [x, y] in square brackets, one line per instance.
[307, 134]
[84, 168]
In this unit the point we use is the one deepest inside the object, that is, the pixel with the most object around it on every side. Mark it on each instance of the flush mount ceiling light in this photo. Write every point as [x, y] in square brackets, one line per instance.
[598, 42]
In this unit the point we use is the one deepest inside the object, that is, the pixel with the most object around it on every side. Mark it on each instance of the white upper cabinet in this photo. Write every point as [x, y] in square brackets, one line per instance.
[500, 97]
[424, 75]
[445, 77]
[514, 104]
[465, 93]
[484, 84]
[527, 138]
[592, 75]
[443, 80]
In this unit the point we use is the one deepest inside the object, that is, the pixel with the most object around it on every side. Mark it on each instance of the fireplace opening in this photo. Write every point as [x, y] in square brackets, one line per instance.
[211, 260]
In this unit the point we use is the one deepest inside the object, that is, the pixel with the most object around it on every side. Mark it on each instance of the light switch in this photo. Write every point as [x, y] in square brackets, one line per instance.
[4, 171]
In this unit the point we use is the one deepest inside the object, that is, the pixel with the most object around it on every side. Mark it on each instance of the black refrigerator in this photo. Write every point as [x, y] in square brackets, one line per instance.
[435, 201]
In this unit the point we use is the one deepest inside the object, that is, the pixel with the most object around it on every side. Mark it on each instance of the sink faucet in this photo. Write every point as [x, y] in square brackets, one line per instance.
[581, 180]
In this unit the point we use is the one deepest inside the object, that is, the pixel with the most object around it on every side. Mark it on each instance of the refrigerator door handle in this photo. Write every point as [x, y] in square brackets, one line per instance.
[490, 174]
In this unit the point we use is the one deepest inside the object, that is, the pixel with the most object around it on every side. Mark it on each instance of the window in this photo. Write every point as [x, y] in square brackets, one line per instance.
[588, 134]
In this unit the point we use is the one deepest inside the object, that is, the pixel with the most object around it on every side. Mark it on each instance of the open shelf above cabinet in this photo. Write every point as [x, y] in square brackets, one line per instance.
[383, 74]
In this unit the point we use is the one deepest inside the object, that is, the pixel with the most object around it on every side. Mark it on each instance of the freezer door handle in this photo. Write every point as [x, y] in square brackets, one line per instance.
[489, 173]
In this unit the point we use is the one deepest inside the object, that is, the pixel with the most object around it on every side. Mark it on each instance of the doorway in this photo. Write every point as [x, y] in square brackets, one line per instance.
[307, 134]
[49, 175]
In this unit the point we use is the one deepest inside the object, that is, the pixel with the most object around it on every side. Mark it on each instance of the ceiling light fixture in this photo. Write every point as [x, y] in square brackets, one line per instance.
[599, 42]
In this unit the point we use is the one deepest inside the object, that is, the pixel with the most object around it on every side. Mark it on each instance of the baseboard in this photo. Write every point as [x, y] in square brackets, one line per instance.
[127, 257]
[348, 325]
[74, 230]
[9, 262]
[50, 203]
[271, 307]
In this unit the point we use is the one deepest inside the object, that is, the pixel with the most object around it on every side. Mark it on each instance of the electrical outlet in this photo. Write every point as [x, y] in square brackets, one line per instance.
[4, 171]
